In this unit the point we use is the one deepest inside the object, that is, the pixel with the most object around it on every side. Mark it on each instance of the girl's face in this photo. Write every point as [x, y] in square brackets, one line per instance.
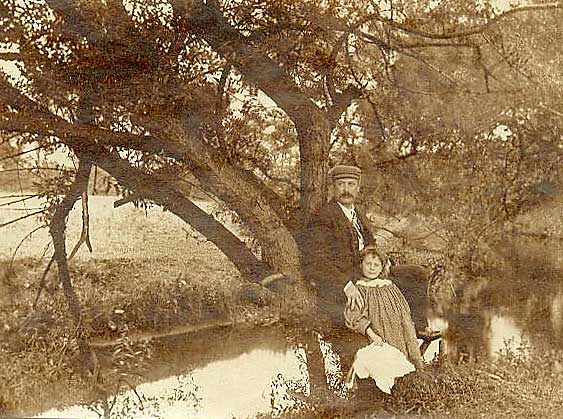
[371, 266]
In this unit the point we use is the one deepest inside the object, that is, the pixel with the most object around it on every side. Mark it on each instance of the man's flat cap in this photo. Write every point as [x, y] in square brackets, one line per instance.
[341, 171]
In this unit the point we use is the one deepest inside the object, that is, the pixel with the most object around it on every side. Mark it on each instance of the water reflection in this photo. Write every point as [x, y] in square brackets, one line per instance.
[517, 305]
[242, 373]
[505, 334]
[254, 382]
[232, 373]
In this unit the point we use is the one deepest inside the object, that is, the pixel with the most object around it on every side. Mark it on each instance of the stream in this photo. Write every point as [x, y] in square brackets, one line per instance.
[232, 373]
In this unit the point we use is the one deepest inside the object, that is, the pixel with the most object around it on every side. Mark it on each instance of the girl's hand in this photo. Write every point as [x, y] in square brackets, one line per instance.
[373, 337]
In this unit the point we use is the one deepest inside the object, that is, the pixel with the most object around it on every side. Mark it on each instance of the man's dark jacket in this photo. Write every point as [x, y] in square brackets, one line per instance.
[331, 256]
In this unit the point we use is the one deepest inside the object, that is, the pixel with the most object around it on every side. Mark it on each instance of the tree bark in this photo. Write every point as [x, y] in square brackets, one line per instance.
[314, 146]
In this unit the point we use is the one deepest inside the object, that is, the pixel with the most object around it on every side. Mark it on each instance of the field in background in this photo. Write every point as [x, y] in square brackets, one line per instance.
[115, 233]
[148, 273]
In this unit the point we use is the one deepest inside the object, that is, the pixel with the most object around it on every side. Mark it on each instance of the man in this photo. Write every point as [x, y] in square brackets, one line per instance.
[334, 239]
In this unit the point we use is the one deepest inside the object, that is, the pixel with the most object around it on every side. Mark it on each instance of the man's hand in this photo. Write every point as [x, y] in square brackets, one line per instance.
[355, 299]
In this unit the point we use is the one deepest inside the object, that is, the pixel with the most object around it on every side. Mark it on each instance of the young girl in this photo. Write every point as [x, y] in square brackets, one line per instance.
[385, 316]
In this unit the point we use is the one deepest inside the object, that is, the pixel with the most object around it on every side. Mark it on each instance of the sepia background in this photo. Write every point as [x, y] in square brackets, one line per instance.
[159, 159]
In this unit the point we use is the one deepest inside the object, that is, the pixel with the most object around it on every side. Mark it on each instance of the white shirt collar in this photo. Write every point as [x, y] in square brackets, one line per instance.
[348, 212]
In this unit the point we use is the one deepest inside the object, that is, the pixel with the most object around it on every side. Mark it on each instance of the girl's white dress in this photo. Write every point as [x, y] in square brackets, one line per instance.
[383, 363]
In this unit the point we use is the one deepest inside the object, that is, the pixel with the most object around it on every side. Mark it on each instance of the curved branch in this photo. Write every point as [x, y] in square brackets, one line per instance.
[27, 236]
[209, 24]
[168, 194]
[469, 32]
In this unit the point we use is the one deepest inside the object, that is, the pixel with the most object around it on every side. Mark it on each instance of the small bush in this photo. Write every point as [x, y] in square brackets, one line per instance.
[438, 388]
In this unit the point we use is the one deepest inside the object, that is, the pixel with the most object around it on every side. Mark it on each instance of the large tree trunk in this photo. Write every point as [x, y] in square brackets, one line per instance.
[314, 144]
[312, 124]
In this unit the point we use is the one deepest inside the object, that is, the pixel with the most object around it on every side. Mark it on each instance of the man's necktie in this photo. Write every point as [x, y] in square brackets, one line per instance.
[358, 229]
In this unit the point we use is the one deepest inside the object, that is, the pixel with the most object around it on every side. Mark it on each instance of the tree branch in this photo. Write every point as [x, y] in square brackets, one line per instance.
[208, 24]
[6, 204]
[35, 118]
[127, 199]
[57, 229]
[27, 236]
[172, 195]
[31, 169]
[469, 32]
[42, 281]
[21, 153]
[85, 233]
[74, 22]
[21, 218]
[552, 111]
[341, 102]
[77, 25]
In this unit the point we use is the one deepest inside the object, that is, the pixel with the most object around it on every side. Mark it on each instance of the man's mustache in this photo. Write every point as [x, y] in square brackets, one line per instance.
[346, 195]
